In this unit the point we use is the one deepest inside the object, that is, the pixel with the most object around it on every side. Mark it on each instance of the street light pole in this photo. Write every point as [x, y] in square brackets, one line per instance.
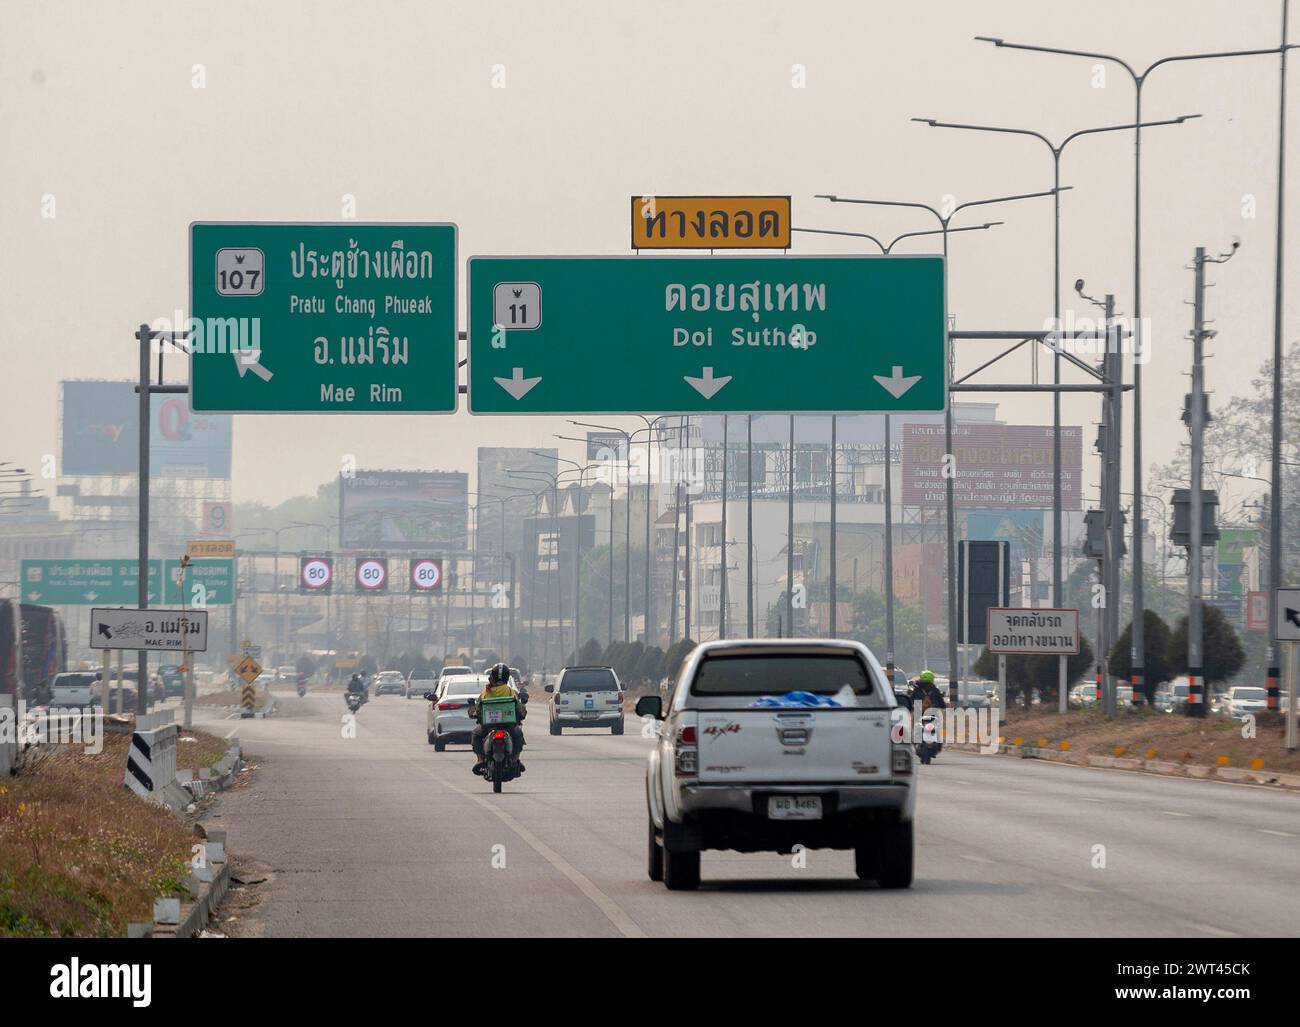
[944, 225]
[1139, 80]
[887, 248]
[1056, 149]
[1276, 567]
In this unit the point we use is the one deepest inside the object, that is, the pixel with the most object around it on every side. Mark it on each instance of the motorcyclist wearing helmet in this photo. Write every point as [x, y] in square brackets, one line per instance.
[927, 692]
[499, 686]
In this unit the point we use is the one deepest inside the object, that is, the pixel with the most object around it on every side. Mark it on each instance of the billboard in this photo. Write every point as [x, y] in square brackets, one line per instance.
[997, 466]
[101, 433]
[918, 577]
[546, 572]
[404, 510]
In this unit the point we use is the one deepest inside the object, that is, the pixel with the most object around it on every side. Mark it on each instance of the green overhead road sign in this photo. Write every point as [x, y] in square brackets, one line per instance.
[85, 582]
[692, 334]
[318, 318]
[113, 582]
[208, 582]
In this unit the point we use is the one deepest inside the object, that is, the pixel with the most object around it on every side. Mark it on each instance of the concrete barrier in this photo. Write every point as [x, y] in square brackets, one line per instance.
[151, 758]
[8, 745]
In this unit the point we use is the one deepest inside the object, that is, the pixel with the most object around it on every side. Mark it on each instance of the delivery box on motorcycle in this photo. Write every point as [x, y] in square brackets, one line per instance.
[497, 712]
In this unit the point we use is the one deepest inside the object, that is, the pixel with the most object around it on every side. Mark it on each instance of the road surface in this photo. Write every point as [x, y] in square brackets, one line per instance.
[379, 835]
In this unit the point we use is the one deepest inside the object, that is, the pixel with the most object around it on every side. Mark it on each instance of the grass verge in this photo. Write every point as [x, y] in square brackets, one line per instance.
[80, 854]
[1147, 734]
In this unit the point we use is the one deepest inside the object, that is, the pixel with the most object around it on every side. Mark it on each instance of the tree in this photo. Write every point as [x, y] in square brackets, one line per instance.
[596, 601]
[590, 652]
[1157, 670]
[1028, 673]
[910, 643]
[677, 652]
[1221, 650]
[628, 661]
[650, 669]
[307, 664]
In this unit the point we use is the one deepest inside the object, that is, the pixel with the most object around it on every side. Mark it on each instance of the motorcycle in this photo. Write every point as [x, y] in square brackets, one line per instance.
[302, 688]
[354, 701]
[500, 759]
[927, 750]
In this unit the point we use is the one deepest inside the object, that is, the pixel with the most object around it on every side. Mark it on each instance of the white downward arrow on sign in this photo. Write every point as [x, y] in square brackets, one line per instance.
[707, 386]
[517, 385]
[896, 384]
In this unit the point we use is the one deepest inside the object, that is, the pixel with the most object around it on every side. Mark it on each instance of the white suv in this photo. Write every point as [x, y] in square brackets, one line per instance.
[587, 697]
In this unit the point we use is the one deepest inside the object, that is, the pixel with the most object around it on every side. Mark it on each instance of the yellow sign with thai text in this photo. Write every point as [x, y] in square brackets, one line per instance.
[710, 222]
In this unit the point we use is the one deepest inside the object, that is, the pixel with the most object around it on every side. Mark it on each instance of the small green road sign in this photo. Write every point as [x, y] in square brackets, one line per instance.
[86, 582]
[207, 583]
[318, 318]
[692, 334]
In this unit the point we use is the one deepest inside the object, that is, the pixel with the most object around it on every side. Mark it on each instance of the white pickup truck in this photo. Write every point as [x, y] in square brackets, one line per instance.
[726, 774]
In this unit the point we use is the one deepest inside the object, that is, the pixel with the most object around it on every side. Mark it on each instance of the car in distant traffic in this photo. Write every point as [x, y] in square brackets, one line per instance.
[587, 697]
[975, 694]
[448, 719]
[107, 694]
[389, 682]
[173, 680]
[1242, 701]
[1172, 696]
[452, 671]
[288, 674]
[73, 688]
[419, 681]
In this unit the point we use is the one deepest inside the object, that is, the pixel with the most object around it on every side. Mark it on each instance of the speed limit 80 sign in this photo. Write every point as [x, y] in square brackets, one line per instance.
[372, 574]
[315, 574]
[426, 575]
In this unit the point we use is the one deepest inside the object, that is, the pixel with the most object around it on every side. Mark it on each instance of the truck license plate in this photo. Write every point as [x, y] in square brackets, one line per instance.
[589, 716]
[794, 807]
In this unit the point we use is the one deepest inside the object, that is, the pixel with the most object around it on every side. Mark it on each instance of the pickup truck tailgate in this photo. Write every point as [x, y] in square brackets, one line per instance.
[794, 746]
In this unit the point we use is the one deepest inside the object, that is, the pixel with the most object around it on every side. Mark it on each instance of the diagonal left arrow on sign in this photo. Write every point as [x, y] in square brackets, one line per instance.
[251, 360]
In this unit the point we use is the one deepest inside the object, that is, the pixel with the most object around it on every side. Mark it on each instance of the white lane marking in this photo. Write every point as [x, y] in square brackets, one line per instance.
[1174, 813]
[1216, 930]
[613, 911]
[1280, 834]
[1080, 888]
[974, 859]
[1086, 799]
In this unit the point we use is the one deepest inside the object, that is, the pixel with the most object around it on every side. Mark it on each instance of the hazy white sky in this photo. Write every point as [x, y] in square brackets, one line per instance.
[393, 103]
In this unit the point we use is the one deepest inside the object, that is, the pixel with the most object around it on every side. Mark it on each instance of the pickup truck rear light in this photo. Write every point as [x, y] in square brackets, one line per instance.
[451, 706]
[685, 754]
[620, 698]
[687, 735]
[902, 760]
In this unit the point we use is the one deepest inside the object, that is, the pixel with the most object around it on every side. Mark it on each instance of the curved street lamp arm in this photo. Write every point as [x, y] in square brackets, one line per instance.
[856, 235]
[1006, 199]
[882, 203]
[1129, 127]
[933, 123]
[1214, 56]
[1003, 44]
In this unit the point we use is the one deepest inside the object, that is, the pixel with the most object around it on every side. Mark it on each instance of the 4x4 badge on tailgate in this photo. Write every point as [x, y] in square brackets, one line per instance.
[718, 730]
